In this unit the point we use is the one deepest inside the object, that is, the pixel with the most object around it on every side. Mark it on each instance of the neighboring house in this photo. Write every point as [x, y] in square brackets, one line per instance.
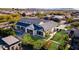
[36, 26]
[61, 27]
[49, 26]
[5, 25]
[10, 43]
[75, 19]
[75, 39]
[58, 18]
[46, 18]
[76, 14]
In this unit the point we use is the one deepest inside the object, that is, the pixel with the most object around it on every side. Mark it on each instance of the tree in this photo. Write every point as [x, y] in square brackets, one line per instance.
[40, 15]
[23, 14]
[69, 20]
[27, 39]
[6, 32]
[15, 17]
[38, 44]
[35, 41]
[9, 18]
[75, 24]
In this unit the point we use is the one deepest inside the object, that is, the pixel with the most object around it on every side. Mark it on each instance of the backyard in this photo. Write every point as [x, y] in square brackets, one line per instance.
[53, 46]
[68, 27]
[59, 40]
[36, 41]
[73, 25]
[6, 32]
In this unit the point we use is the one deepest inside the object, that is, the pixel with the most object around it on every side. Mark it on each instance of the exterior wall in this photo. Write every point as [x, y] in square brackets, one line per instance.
[34, 31]
[4, 47]
[15, 46]
[18, 26]
[41, 35]
[52, 30]
[26, 29]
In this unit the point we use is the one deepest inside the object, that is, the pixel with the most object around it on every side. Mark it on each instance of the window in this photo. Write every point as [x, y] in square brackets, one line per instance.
[12, 47]
[22, 28]
[19, 44]
[16, 48]
[40, 33]
[18, 27]
[30, 31]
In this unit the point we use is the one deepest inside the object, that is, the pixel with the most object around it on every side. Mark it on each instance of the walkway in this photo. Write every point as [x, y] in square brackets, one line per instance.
[55, 42]
[51, 36]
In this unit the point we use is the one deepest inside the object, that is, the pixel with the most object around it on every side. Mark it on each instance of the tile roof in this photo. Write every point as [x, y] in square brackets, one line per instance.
[49, 25]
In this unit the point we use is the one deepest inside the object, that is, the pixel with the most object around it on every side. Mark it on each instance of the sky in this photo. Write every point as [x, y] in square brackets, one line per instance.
[39, 4]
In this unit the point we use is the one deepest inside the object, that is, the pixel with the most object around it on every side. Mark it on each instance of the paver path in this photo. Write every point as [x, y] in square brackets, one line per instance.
[51, 36]
[55, 42]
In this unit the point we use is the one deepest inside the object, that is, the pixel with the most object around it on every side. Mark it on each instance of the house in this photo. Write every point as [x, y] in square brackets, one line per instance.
[75, 39]
[5, 25]
[61, 27]
[49, 26]
[35, 30]
[75, 19]
[32, 24]
[76, 14]
[10, 43]
[35, 26]
[46, 18]
[58, 18]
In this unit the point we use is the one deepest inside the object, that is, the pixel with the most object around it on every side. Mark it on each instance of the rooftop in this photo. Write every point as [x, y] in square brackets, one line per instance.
[76, 32]
[10, 40]
[38, 24]
[36, 27]
[32, 20]
[22, 24]
[59, 16]
[49, 25]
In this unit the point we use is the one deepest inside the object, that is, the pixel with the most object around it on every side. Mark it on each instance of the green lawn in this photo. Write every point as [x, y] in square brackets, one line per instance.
[53, 46]
[36, 41]
[69, 27]
[61, 37]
